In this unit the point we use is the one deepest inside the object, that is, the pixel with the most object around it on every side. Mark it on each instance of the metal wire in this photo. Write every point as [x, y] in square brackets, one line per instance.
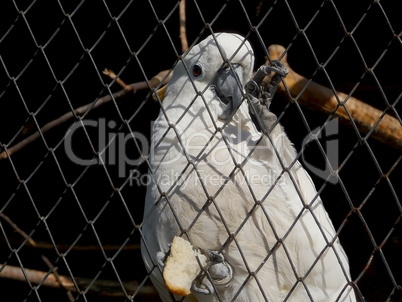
[87, 219]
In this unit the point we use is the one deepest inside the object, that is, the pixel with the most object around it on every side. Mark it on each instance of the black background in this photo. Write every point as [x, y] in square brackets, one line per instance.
[52, 57]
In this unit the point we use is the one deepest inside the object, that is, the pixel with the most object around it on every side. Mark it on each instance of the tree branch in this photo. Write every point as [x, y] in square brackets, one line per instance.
[131, 88]
[100, 287]
[314, 96]
[32, 243]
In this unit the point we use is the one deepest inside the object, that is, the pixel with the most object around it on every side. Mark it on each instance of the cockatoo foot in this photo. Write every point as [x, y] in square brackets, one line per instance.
[260, 98]
[204, 288]
[220, 273]
[254, 86]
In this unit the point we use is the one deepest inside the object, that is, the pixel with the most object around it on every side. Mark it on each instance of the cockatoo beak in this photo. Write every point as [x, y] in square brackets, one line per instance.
[160, 93]
[228, 85]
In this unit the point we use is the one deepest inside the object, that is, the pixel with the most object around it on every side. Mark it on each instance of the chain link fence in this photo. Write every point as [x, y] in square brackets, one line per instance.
[77, 80]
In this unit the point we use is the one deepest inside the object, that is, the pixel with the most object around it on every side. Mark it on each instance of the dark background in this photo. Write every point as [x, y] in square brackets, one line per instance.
[52, 57]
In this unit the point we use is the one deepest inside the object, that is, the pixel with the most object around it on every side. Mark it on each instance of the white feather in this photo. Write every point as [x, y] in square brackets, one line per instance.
[277, 230]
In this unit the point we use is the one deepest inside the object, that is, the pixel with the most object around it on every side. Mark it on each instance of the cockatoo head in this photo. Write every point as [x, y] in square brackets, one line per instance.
[210, 75]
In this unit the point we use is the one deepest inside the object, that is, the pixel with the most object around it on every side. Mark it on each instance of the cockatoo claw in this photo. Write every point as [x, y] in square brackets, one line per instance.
[220, 273]
[252, 88]
[215, 256]
[260, 98]
[160, 258]
[275, 66]
[204, 288]
[281, 71]
[278, 67]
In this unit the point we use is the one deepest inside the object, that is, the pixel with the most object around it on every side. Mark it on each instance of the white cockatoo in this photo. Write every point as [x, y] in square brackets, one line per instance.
[234, 189]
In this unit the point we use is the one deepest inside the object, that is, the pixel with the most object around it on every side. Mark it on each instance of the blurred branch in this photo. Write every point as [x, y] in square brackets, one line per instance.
[131, 88]
[35, 277]
[53, 279]
[258, 8]
[112, 75]
[100, 287]
[382, 126]
[85, 248]
[183, 33]
[42, 245]
[53, 270]
[30, 241]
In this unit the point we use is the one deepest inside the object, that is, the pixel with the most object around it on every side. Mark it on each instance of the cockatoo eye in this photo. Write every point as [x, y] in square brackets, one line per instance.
[197, 70]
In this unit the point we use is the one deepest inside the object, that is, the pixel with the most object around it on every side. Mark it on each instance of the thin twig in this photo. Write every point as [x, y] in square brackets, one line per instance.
[32, 243]
[112, 75]
[132, 88]
[259, 8]
[41, 245]
[183, 33]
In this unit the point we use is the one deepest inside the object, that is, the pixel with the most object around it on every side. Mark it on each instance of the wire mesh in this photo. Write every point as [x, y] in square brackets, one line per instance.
[74, 145]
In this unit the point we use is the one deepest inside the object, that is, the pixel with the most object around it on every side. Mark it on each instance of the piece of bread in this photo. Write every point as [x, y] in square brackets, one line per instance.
[181, 267]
